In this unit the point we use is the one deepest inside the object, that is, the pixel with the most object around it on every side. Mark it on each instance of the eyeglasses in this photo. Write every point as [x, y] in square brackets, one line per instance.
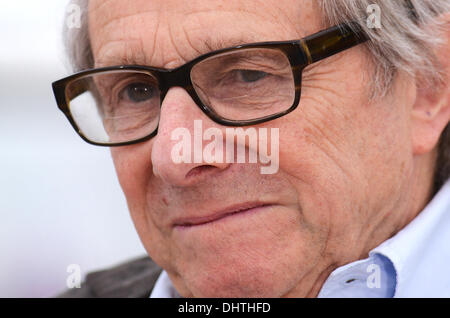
[238, 86]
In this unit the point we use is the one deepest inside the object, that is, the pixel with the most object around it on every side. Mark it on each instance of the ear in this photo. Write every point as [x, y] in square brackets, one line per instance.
[431, 109]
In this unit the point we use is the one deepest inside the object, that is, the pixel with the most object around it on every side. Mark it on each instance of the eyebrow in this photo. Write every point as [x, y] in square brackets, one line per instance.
[119, 60]
[218, 43]
[127, 53]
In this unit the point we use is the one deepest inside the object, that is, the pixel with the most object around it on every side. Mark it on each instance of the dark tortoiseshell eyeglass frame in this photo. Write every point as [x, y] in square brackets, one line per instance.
[300, 53]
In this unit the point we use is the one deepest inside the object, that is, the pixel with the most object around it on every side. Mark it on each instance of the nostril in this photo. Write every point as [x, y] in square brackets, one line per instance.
[199, 170]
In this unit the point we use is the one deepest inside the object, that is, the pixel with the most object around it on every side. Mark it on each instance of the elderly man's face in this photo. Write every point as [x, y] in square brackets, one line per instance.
[343, 160]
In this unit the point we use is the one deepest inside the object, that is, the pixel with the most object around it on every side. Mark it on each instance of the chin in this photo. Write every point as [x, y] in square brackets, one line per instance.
[235, 281]
[243, 270]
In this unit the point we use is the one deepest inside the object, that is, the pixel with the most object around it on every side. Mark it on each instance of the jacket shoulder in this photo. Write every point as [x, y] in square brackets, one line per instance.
[132, 279]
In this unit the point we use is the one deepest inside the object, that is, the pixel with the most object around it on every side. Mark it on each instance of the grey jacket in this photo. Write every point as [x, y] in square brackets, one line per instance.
[132, 279]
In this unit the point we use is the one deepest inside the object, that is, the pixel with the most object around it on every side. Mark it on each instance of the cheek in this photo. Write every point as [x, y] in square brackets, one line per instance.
[345, 158]
[319, 148]
[134, 169]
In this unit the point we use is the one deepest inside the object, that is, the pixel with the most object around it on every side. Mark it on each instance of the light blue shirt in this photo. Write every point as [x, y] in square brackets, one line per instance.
[413, 263]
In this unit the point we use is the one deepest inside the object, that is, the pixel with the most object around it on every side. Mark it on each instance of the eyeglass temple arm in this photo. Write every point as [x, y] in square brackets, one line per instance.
[332, 41]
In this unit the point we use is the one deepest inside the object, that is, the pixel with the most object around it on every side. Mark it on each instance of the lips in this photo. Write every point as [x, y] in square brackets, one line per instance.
[229, 211]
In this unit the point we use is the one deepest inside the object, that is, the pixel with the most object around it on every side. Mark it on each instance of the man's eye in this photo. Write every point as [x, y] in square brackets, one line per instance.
[139, 92]
[250, 76]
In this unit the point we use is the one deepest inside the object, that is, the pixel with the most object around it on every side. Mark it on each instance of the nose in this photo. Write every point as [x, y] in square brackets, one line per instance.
[178, 131]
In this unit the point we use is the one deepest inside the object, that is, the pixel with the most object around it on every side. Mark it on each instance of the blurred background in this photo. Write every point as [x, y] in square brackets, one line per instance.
[60, 201]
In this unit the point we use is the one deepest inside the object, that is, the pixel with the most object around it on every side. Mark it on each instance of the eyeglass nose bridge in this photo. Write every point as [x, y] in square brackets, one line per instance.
[181, 77]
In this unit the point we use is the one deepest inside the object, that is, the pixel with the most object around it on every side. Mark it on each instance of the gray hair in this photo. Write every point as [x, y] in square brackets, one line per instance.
[410, 32]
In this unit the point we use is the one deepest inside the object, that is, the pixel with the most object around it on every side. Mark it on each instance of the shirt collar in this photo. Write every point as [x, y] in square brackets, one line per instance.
[372, 277]
[420, 252]
[164, 288]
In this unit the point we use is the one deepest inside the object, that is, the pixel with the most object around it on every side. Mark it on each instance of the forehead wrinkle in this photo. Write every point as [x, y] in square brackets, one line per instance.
[118, 48]
[173, 61]
[206, 42]
[223, 38]
[107, 16]
[119, 19]
[92, 5]
[155, 37]
[191, 44]
[210, 43]
[294, 15]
